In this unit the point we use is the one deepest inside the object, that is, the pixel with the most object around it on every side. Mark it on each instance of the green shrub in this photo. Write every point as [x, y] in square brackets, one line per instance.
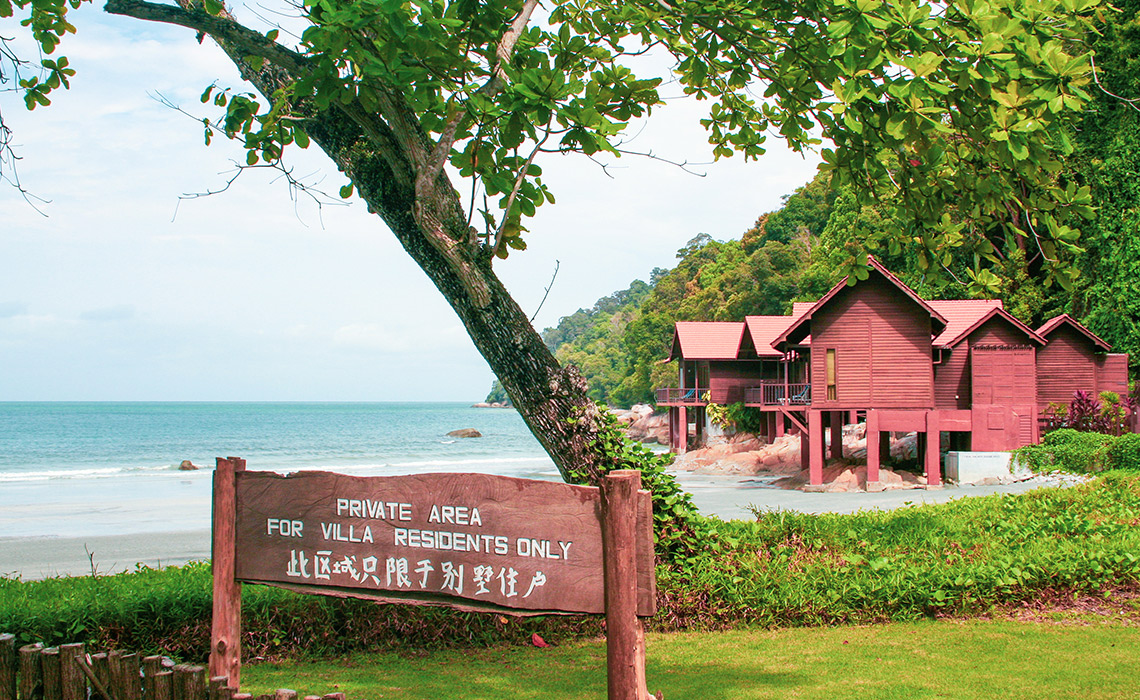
[1067, 450]
[1124, 452]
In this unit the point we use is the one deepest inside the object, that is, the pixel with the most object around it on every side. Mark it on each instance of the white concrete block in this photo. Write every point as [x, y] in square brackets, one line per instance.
[975, 467]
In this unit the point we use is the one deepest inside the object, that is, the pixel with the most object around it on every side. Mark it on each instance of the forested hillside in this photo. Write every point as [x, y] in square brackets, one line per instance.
[794, 253]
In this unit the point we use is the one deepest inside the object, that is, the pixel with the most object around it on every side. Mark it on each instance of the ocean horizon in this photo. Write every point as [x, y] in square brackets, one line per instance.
[95, 468]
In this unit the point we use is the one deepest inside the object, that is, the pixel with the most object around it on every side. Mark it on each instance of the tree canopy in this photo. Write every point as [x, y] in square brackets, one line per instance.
[953, 117]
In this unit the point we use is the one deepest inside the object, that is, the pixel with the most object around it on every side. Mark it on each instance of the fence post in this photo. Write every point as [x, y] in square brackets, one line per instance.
[50, 658]
[220, 688]
[72, 682]
[8, 666]
[625, 637]
[126, 683]
[225, 632]
[31, 672]
[189, 682]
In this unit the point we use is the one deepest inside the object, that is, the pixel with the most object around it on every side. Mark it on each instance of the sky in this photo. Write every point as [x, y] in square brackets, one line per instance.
[117, 289]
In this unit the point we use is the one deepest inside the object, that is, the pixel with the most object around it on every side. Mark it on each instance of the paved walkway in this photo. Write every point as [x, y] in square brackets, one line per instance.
[729, 497]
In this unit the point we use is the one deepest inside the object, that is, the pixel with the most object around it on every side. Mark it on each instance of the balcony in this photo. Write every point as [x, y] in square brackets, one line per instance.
[682, 396]
[778, 394]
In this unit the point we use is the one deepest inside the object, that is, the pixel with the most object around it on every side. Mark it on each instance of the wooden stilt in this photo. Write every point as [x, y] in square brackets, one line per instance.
[835, 421]
[933, 450]
[873, 456]
[815, 447]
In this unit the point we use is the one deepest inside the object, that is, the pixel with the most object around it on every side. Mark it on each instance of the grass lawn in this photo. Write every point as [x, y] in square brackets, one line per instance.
[1084, 657]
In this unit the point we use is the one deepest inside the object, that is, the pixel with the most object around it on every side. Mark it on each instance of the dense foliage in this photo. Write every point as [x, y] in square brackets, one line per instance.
[798, 252]
[961, 557]
[1082, 451]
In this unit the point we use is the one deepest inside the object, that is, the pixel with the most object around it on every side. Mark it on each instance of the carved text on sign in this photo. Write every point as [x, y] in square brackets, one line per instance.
[487, 540]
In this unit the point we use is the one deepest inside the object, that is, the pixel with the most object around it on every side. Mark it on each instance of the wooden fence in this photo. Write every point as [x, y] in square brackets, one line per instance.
[68, 672]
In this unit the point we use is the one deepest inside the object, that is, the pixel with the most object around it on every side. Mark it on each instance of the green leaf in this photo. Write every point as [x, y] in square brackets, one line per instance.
[213, 7]
[346, 191]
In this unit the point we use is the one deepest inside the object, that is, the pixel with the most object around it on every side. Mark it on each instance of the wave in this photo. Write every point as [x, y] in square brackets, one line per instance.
[82, 473]
[539, 462]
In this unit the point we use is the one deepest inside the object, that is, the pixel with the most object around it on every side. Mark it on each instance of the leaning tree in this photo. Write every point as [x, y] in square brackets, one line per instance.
[953, 115]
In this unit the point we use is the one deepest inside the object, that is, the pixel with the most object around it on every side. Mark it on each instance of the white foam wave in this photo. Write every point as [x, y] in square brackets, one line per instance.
[81, 473]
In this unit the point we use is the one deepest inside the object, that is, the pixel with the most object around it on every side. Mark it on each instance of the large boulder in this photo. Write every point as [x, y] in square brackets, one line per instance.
[465, 433]
[642, 424]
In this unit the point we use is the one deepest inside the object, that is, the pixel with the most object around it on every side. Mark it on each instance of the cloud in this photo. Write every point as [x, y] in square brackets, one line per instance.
[120, 312]
[10, 309]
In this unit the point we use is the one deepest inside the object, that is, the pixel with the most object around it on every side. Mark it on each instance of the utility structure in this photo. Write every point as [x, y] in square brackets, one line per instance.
[875, 351]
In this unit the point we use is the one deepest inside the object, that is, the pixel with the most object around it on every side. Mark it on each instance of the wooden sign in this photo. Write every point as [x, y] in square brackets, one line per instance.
[471, 541]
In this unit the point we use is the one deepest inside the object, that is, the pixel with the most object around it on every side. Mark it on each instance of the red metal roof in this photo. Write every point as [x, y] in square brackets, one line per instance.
[707, 340]
[764, 330]
[936, 318]
[964, 315]
[1052, 324]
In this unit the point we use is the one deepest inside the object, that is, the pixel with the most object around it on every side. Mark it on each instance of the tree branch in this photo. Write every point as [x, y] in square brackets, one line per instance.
[222, 28]
[438, 156]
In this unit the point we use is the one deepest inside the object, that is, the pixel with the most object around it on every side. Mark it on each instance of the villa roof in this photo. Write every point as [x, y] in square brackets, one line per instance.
[707, 340]
[764, 330]
[963, 316]
[1052, 324]
[938, 321]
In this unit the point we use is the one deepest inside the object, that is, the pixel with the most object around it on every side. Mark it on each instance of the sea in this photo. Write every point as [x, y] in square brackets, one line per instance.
[91, 469]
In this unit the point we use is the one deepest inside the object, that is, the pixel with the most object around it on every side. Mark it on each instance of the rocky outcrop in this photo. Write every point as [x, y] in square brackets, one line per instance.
[188, 466]
[465, 433]
[493, 404]
[843, 478]
[642, 424]
[743, 454]
[747, 455]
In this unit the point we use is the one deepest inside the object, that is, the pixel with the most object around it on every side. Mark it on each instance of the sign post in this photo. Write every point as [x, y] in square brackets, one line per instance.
[625, 637]
[474, 542]
[225, 631]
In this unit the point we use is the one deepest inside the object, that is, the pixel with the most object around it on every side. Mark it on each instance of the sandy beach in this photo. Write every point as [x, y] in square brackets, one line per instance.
[43, 557]
[728, 497]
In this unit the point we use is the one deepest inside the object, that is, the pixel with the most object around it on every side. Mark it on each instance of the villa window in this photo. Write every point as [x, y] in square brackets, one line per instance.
[831, 393]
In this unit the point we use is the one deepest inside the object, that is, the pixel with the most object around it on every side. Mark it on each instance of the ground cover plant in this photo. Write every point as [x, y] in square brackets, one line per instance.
[785, 569]
[911, 660]
[955, 558]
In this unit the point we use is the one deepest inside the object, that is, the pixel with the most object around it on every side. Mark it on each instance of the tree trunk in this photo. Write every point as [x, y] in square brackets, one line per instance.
[381, 161]
[551, 399]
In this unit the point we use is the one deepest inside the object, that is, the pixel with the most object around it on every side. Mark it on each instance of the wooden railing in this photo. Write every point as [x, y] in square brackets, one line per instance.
[682, 396]
[778, 394]
[68, 672]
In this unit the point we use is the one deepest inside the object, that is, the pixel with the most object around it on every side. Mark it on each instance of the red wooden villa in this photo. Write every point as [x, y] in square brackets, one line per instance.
[875, 351]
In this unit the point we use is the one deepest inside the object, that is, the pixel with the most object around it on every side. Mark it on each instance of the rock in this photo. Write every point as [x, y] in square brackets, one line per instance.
[465, 433]
[188, 466]
[641, 424]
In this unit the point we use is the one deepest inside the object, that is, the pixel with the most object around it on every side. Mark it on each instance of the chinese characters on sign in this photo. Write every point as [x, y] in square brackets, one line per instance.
[487, 540]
